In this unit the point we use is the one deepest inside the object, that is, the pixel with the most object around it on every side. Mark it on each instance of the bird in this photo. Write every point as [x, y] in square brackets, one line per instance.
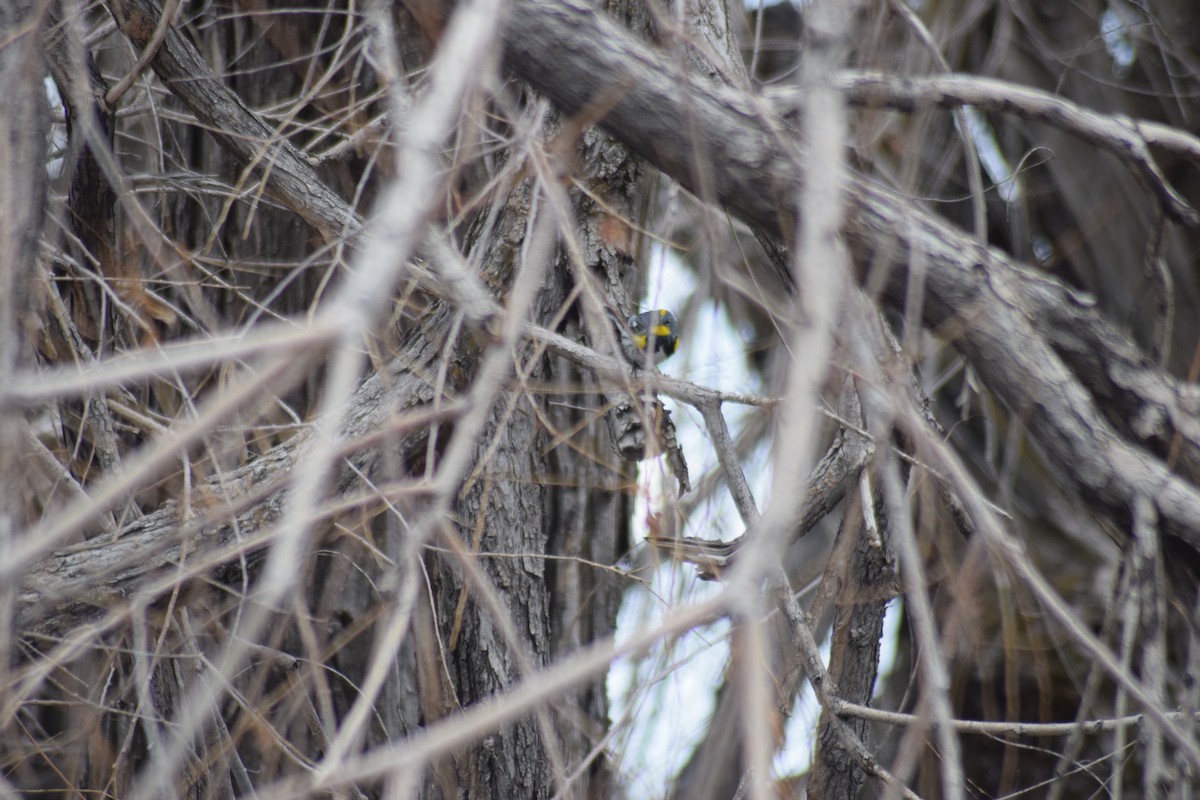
[651, 333]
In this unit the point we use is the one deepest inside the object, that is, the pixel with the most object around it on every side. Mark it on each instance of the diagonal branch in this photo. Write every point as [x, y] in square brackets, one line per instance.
[729, 148]
[1126, 138]
[258, 147]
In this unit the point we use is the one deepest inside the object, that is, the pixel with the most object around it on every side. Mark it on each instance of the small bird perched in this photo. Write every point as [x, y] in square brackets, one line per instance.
[652, 332]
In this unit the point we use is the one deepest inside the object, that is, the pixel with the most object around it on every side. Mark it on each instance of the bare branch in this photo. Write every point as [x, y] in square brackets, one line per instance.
[259, 148]
[575, 55]
[1128, 139]
[1088, 727]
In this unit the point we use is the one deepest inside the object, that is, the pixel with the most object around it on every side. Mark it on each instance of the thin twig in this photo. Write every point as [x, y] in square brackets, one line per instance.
[986, 728]
[1126, 138]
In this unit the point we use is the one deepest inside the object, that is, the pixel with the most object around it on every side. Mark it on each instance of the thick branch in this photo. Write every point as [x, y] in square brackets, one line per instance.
[257, 146]
[728, 149]
[75, 585]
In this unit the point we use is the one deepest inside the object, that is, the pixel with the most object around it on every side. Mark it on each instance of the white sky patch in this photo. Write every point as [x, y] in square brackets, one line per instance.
[58, 131]
[754, 5]
[796, 755]
[991, 156]
[1115, 23]
[662, 703]
[1043, 249]
[711, 353]
[890, 641]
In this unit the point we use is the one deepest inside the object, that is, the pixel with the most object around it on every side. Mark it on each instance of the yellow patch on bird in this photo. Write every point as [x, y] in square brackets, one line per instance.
[662, 331]
[640, 341]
